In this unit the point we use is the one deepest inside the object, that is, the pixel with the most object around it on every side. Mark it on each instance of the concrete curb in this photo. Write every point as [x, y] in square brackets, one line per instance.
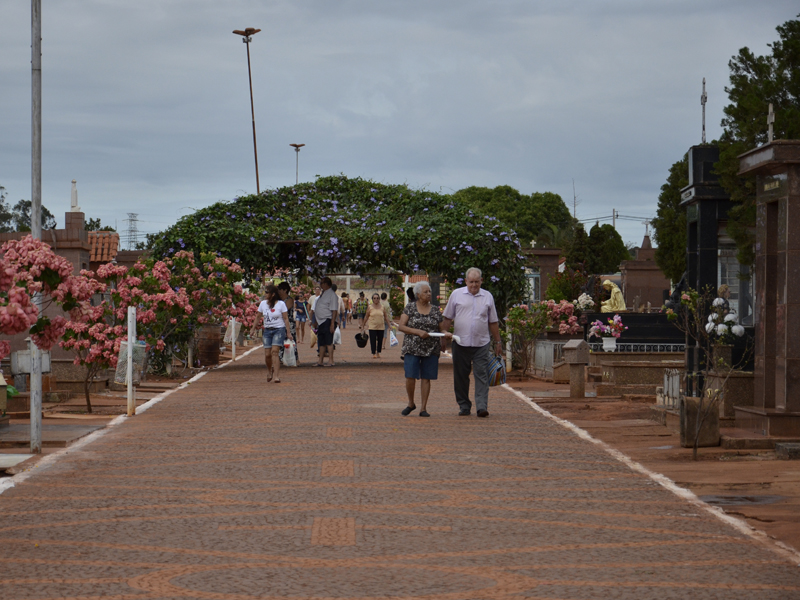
[50, 459]
[785, 551]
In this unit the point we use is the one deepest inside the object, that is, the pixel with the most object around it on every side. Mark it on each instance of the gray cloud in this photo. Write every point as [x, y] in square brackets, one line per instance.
[147, 104]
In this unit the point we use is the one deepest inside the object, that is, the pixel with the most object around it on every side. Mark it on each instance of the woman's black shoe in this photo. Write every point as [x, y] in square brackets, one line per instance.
[424, 413]
[408, 410]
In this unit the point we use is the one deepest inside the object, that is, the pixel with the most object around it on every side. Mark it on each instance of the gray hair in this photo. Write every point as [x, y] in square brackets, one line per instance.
[473, 270]
[421, 285]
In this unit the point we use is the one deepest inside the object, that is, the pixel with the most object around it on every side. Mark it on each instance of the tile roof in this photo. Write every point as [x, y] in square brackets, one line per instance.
[104, 246]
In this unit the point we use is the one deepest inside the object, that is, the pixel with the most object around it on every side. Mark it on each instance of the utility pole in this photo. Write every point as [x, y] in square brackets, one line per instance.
[36, 211]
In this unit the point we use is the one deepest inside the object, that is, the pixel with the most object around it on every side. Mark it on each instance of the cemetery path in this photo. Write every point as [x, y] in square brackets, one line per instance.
[316, 487]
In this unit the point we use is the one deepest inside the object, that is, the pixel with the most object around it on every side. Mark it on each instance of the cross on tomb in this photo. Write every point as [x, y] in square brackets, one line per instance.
[703, 100]
[770, 121]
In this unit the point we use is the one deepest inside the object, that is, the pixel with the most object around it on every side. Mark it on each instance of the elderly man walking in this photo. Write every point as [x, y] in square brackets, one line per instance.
[472, 311]
[326, 311]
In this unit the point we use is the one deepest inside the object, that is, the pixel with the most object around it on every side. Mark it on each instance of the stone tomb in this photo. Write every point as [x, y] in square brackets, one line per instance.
[776, 409]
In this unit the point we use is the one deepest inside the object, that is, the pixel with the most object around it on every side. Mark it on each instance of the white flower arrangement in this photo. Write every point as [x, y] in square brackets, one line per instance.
[584, 301]
[737, 330]
[718, 302]
[731, 318]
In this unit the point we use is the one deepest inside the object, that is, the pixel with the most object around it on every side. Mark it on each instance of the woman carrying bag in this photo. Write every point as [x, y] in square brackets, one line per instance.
[376, 320]
[276, 330]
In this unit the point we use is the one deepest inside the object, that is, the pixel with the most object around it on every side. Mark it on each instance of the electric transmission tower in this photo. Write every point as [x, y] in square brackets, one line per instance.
[132, 234]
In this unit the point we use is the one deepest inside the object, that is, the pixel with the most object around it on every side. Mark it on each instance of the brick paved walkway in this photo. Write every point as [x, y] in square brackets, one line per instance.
[318, 488]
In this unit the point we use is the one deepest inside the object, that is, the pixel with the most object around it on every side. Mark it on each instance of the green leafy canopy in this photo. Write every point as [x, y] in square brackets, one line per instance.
[337, 223]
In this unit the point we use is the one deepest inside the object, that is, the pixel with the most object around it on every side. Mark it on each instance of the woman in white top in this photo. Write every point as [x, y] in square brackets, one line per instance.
[276, 330]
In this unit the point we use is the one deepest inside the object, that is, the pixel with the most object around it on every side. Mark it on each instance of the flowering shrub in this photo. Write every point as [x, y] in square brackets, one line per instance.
[563, 315]
[336, 223]
[710, 327]
[614, 328]
[29, 266]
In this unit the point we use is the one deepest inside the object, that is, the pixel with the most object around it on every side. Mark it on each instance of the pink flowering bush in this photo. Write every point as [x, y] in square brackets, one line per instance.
[29, 266]
[563, 316]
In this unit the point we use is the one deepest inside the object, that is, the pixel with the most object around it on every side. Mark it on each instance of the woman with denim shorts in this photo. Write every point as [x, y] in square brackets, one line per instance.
[420, 350]
[276, 330]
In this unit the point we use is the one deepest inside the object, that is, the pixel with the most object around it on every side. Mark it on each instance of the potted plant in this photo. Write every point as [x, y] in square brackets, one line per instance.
[712, 327]
[609, 332]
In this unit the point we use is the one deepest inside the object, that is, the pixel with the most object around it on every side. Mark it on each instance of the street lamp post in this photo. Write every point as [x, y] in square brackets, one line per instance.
[297, 162]
[246, 37]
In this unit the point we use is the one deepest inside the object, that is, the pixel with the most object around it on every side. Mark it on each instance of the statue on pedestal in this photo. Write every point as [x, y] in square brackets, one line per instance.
[616, 303]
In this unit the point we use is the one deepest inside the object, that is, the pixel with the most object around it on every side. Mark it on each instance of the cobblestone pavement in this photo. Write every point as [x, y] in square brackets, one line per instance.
[317, 488]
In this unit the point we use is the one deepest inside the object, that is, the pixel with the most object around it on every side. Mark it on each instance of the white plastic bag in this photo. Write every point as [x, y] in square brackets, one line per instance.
[393, 339]
[288, 354]
[337, 337]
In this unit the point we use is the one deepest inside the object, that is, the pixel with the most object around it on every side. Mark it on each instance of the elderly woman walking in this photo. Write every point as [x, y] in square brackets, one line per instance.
[376, 320]
[421, 350]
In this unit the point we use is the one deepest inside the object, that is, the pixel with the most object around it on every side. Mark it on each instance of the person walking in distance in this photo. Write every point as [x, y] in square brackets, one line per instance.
[361, 309]
[388, 308]
[472, 312]
[326, 313]
[276, 330]
[376, 320]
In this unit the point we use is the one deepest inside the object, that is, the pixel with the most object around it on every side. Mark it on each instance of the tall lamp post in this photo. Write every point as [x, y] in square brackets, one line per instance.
[246, 37]
[297, 162]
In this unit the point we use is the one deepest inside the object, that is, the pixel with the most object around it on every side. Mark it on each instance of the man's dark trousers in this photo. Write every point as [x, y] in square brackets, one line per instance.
[464, 357]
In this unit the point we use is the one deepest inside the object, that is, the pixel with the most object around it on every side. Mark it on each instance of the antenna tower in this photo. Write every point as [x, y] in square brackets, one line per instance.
[132, 234]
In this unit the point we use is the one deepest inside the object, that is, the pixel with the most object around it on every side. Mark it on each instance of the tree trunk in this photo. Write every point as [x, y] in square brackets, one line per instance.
[87, 383]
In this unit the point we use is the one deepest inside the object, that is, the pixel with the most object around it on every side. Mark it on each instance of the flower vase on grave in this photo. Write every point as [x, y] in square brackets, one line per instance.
[609, 344]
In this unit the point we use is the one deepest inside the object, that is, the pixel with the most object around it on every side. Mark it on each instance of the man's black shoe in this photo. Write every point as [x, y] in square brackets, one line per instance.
[483, 413]
[463, 412]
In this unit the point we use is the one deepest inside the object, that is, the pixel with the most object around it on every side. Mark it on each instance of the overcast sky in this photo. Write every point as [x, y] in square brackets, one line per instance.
[146, 103]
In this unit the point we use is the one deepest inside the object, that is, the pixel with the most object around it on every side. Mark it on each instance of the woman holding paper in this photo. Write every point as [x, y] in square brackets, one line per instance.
[421, 346]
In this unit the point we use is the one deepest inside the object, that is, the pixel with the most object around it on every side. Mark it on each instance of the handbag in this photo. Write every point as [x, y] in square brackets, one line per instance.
[393, 339]
[362, 339]
[288, 354]
[497, 371]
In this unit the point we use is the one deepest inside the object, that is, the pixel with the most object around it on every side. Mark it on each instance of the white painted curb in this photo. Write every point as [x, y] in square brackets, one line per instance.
[784, 550]
[47, 461]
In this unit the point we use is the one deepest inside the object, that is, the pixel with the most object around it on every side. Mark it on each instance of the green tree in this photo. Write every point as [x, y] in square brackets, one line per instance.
[669, 226]
[6, 216]
[95, 225]
[21, 215]
[529, 216]
[578, 254]
[755, 82]
[606, 249]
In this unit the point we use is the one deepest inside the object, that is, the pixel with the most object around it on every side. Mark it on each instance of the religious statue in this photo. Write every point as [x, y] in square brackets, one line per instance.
[616, 303]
